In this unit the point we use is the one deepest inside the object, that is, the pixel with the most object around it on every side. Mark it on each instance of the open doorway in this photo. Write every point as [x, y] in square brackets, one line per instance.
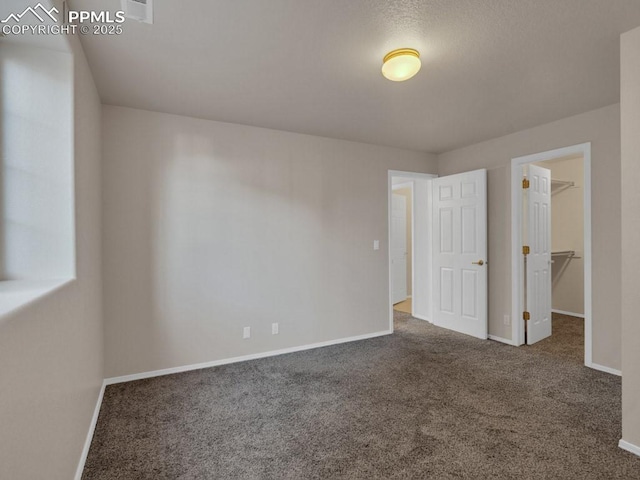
[401, 244]
[449, 265]
[551, 248]
[567, 257]
[409, 209]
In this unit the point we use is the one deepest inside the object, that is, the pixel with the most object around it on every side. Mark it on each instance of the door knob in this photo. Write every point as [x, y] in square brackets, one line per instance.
[479, 262]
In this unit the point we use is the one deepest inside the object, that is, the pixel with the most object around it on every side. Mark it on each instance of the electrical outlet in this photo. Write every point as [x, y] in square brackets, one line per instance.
[274, 329]
[376, 244]
[246, 332]
[507, 320]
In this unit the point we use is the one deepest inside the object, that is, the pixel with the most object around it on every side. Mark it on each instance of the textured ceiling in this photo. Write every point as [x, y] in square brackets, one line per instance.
[490, 67]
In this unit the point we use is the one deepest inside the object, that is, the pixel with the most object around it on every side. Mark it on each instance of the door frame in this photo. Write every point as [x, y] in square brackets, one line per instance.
[517, 292]
[412, 176]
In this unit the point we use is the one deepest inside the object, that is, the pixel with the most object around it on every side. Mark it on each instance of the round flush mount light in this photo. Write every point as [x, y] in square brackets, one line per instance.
[401, 64]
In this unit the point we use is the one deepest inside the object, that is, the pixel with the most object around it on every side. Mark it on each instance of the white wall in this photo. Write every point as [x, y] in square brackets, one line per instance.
[421, 300]
[630, 102]
[210, 227]
[406, 192]
[36, 179]
[600, 127]
[51, 351]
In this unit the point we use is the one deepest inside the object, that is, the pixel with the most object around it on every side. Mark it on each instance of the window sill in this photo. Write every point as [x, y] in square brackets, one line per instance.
[16, 294]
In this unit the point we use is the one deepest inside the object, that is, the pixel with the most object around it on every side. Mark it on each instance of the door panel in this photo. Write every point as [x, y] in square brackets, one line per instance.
[469, 215]
[446, 230]
[469, 294]
[399, 247]
[538, 268]
[446, 290]
[460, 242]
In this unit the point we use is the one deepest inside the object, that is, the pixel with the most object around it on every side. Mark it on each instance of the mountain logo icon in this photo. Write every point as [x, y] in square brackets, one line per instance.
[39, 11]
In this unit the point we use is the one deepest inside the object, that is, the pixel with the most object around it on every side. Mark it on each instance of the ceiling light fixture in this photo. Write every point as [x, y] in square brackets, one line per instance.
[401, 64]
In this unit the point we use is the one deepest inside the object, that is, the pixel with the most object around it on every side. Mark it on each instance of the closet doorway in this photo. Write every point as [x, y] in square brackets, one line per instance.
[551, 251]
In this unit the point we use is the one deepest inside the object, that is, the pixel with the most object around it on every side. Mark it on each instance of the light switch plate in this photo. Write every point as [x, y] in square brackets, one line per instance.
[376, 244]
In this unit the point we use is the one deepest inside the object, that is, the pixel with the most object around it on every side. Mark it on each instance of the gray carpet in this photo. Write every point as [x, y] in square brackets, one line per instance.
[567, 340]
[422, 403]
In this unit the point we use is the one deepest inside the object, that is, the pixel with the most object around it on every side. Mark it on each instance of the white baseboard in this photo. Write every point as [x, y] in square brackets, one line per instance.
[629, 447]
[602, 368]
[420, 317]
[502, 340]
[571, 314]
[244, 358]
[92, 428]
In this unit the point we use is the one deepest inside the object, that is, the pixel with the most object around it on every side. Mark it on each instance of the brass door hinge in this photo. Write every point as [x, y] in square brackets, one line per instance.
[525, 183]
[526, 250]
[526, 315]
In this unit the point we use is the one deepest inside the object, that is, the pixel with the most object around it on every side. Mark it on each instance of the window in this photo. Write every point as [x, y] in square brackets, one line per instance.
[36, 178]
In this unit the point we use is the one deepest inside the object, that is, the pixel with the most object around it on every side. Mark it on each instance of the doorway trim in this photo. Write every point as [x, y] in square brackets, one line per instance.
[517, 324]
[412, 176]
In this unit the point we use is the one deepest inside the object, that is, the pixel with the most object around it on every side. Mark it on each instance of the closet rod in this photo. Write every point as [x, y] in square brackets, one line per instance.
[563, 182]
[561, 186]
[564, 253]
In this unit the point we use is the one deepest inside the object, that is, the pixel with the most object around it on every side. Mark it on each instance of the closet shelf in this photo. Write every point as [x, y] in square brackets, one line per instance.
[564, 253]
[558, 186]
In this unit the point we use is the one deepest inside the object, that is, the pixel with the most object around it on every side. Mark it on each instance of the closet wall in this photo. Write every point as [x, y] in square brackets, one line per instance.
[567, 234]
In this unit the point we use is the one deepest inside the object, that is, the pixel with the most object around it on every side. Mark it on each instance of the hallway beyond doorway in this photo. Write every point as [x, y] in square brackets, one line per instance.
[404, 307]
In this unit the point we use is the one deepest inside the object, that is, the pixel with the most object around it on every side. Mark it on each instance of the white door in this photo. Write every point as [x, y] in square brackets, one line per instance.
[538, 267]
[399, 247]
[460, 252]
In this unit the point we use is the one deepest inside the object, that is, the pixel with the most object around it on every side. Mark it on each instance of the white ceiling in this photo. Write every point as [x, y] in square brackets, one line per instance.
[490, 67]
